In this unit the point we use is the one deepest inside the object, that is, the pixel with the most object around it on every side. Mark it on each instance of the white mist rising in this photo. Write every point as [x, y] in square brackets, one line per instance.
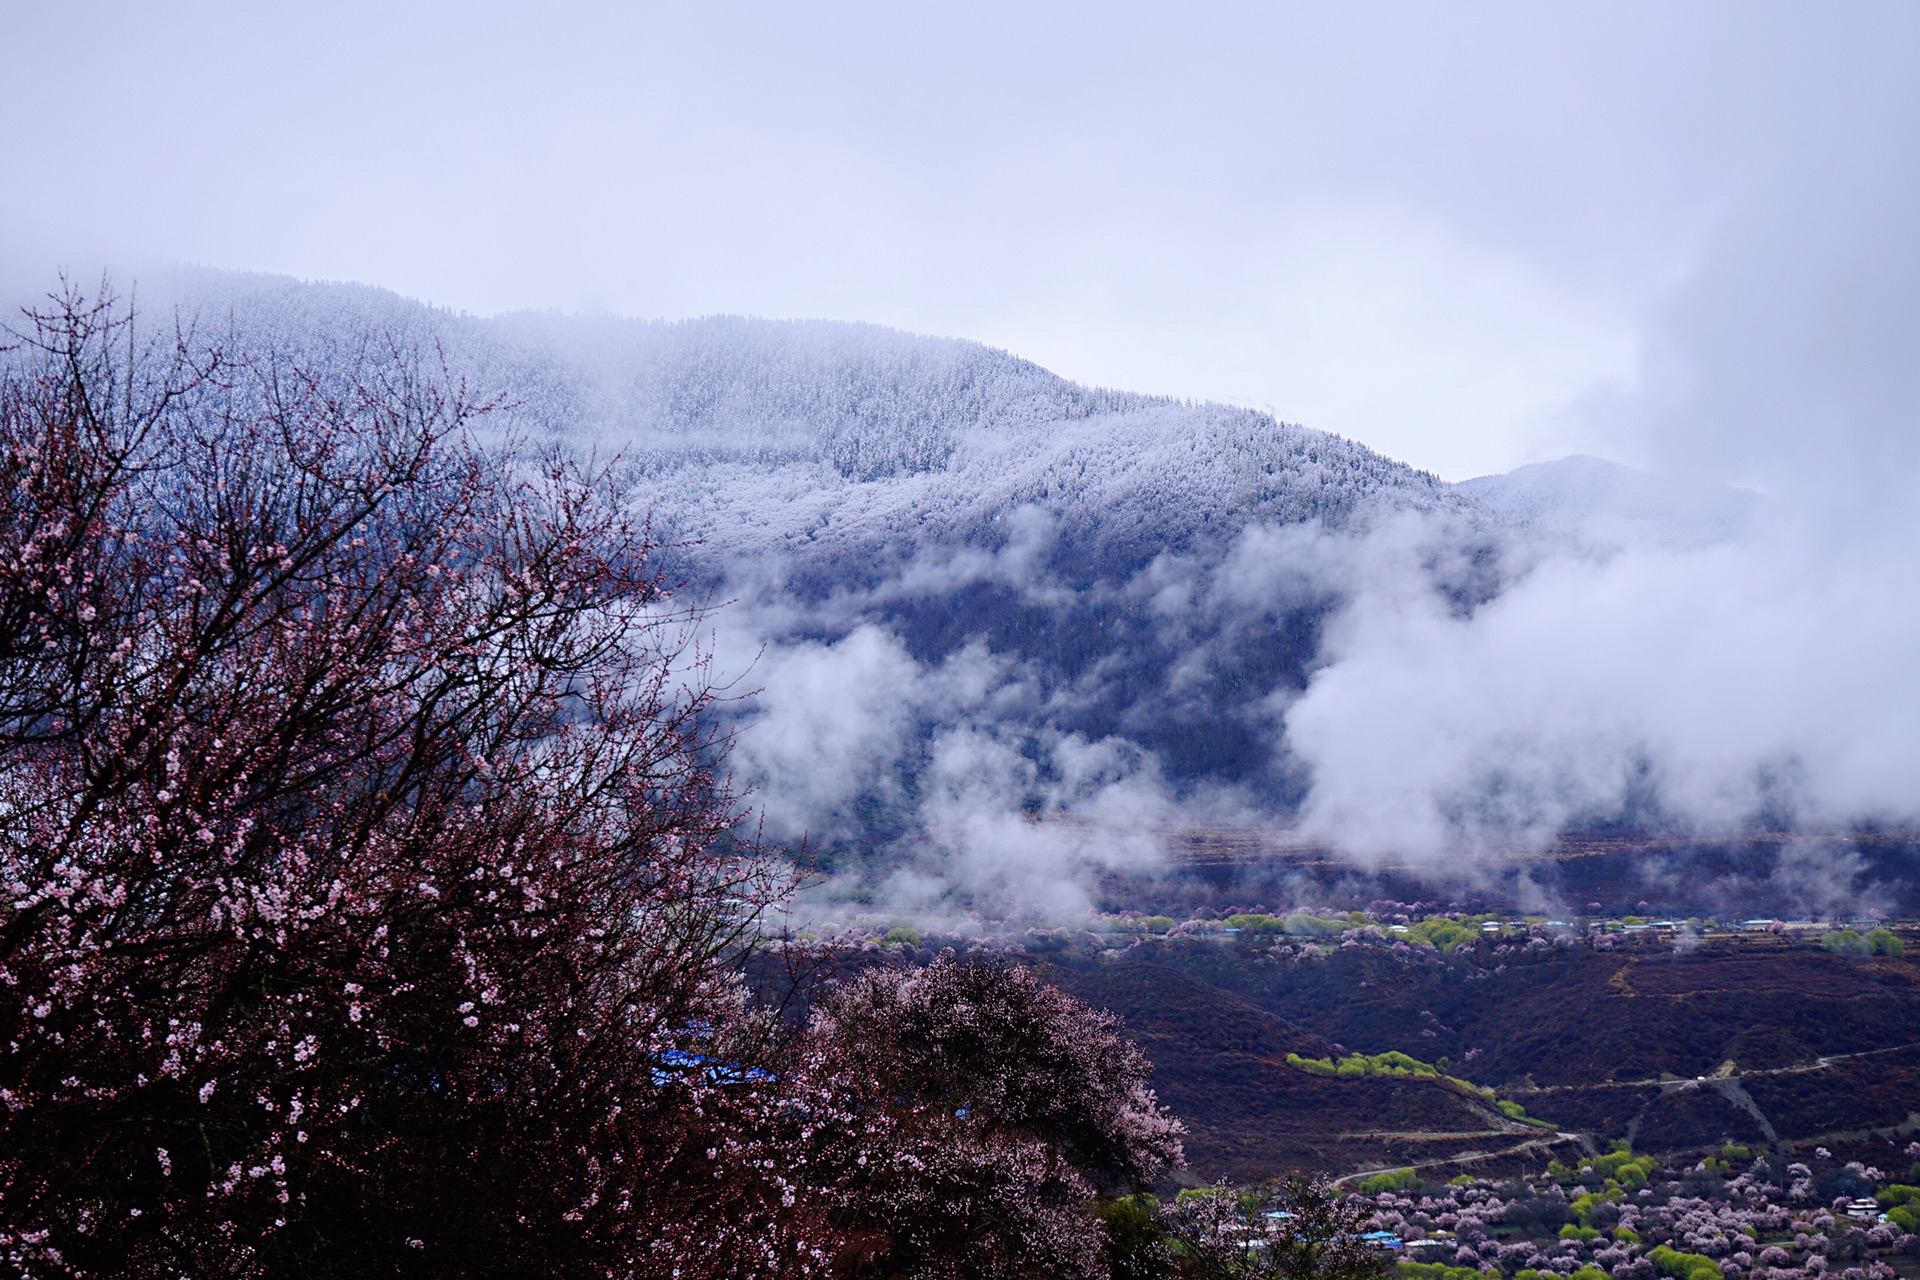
[1759, 682]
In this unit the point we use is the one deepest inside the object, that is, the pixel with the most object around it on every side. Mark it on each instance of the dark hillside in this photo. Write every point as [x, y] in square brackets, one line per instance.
[1760, 1041]
[1220, 1063]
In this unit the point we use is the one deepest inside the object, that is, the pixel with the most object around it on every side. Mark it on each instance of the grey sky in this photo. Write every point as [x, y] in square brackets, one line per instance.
[1469, 236]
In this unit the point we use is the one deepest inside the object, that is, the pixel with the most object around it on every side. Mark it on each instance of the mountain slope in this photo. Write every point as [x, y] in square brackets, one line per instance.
[972, 591]
[818, 438]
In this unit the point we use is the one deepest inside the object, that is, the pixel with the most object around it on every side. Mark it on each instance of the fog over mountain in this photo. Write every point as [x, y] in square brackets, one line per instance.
[1607, 504]
[1004, 631]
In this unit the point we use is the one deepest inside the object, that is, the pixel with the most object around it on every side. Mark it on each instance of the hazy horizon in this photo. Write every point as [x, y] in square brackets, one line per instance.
[1468, 239]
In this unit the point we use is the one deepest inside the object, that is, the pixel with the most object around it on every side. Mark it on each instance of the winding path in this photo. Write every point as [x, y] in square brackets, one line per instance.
[1468, 1157]
[1725, 1071]
[1725, 1080]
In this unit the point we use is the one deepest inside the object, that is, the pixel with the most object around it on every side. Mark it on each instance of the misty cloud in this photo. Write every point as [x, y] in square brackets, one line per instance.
[1018, 832]
[1011, 636]
[830, 722]
[1751, 683]
[1474, 692]
[985, 802]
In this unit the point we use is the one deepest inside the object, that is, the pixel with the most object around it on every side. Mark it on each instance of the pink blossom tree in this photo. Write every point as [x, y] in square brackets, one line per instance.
[1008, 1104]
[362, 850]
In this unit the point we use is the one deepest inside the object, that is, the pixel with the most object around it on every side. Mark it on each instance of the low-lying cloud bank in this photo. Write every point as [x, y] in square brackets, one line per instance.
[1465, 698]
[1445, 684]
[1767, 683]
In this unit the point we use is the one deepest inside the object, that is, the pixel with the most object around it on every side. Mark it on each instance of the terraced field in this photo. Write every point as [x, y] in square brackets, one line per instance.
[1757, 1040]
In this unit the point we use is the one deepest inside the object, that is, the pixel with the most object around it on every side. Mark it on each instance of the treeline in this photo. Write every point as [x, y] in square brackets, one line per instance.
[1875, 942]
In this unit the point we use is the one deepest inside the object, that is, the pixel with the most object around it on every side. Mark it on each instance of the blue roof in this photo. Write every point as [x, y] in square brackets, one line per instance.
[671, 1063]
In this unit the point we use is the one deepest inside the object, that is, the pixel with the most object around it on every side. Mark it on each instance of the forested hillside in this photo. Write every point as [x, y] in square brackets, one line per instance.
[964, 584]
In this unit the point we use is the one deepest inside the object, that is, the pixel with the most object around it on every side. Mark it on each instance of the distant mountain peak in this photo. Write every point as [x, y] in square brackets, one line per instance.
[1611, 503]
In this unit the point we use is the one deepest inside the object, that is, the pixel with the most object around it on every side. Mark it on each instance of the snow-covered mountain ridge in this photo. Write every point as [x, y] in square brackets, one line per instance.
[964, 584]
[847, 441]
[971, 593]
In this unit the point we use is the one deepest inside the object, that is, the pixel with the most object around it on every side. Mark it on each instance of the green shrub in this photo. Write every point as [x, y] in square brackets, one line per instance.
[1623, 1167]
[1392, 1180]
[1441, 933]
[1584, 1205]
[1300, 925]
[1514, 1111]
[1684, 1266]
[1881, 942]
[1392, 1063]
[1435, 1271]
[1571, 1232]
[1134, 1244]
[1845, 942]
[900, 935]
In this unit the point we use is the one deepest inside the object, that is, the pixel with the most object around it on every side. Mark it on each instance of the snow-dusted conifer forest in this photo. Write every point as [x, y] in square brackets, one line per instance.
[963, 588]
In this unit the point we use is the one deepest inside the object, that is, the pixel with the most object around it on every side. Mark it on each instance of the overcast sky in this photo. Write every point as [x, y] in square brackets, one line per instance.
[1467, 235]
